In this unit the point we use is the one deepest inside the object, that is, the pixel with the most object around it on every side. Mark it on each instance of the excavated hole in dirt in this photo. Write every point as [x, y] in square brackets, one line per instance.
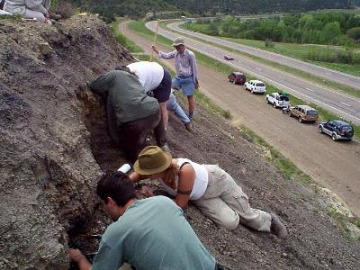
[84, 234]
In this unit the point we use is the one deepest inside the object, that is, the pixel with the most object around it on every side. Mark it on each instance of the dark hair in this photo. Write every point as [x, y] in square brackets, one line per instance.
[116, 185]
[125, 68]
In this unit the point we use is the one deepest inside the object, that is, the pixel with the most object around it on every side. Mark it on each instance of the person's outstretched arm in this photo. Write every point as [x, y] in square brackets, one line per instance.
[76, 255]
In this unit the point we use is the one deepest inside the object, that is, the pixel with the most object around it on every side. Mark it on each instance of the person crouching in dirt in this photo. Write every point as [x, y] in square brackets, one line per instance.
[153, 77]
[148, 234]
[209, 187]
[30, 9]
[131, 114]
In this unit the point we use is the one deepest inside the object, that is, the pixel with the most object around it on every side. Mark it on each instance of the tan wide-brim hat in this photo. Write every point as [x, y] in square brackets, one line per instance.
[152, 160]
[178, 41]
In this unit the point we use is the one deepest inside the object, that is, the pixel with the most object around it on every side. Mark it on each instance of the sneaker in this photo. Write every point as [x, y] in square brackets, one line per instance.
[188, 127]
[165, 148]
[277, 227]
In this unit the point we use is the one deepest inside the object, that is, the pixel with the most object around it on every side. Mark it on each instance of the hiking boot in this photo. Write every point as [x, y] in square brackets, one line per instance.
[55, 16]
[188, 127]
[166, 148]
[277, 227]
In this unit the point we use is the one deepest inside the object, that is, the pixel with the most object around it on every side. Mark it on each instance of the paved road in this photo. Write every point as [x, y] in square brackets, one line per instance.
[340, 104]
[325, 73]
[334, 165]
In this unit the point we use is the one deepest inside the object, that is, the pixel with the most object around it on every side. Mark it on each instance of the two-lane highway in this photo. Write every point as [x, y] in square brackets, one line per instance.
[325, 73]
[339, 103]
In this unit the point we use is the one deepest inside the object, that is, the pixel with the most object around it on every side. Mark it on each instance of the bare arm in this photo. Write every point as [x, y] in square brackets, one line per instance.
[153, 47]
[76, 256]
[185, 186]
[165, 114]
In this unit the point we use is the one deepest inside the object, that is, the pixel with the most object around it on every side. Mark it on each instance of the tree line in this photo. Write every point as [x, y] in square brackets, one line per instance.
[139, 8]
[333, 28]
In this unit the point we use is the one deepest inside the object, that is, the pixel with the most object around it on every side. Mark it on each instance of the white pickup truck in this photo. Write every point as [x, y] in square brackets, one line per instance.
[255, 86]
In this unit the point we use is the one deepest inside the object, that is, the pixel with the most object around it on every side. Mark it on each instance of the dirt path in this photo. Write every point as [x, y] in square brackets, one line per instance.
[335, 165]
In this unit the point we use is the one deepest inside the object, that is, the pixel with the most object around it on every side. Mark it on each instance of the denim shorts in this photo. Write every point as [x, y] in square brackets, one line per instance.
[186, 84]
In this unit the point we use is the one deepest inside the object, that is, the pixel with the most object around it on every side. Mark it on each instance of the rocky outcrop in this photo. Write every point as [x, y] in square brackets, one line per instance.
[47, 169]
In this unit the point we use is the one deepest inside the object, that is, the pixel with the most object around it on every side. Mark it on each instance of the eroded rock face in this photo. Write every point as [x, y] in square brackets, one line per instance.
[47, 169]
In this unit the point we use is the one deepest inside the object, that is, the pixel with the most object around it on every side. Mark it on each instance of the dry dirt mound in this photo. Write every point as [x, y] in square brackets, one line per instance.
[54, 147]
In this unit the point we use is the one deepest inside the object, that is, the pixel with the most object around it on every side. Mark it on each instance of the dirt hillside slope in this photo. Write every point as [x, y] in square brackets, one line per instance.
[54, 147]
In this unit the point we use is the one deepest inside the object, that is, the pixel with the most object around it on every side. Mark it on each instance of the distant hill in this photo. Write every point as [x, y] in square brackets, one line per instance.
[138, 8]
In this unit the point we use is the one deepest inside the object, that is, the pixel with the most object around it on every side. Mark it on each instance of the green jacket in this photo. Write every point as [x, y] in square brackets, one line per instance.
[125, 95]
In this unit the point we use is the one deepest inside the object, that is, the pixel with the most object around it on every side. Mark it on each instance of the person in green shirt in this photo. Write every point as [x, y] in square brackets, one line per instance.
[131, 114]
[148, 234]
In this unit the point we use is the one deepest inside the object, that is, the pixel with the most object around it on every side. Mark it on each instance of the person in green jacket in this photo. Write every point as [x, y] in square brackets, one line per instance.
[131, 114]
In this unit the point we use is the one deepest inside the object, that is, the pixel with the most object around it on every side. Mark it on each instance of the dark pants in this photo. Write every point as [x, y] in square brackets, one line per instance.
[132, 135]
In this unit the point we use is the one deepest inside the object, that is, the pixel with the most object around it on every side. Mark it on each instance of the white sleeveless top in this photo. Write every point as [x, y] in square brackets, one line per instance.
[200, 182]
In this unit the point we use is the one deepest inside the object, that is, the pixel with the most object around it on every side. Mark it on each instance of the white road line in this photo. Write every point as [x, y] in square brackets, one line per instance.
[346, 104]
[309, 89]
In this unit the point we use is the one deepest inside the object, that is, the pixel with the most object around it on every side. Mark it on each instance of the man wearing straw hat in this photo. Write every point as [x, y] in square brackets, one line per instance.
[186, 77]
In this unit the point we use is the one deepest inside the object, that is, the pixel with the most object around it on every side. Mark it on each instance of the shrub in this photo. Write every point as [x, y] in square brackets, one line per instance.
[354, 33]
[269, 43]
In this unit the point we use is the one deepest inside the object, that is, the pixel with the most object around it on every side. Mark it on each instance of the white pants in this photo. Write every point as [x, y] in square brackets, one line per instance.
[226, 204]
[30, 14]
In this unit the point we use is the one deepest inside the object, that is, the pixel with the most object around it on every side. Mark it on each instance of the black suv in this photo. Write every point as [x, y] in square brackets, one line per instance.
[337, 129]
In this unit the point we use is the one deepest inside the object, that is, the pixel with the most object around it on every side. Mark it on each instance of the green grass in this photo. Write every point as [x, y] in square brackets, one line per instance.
[127, 43]
[139, 27]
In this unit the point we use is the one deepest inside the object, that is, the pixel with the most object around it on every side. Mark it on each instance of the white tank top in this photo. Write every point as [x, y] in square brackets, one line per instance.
[200, 182]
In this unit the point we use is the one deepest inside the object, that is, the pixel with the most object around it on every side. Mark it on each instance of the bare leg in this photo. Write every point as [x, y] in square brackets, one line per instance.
[191, 101]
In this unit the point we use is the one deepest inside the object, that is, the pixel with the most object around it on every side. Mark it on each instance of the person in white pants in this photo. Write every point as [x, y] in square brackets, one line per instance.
[30, 9]
[208, 186]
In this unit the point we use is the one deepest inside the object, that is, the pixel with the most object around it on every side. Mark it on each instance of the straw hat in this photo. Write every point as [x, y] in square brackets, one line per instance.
[152, 160]
[178, 41]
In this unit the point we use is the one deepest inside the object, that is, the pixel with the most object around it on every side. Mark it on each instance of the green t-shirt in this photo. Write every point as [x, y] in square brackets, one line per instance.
[126, 96]
[152, 234]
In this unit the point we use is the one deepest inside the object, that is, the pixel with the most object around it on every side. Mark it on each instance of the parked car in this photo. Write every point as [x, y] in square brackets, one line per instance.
[228, 57]
[255, 86]
[237, 77]
[304, 113]
[337, 129]
[278, 100]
